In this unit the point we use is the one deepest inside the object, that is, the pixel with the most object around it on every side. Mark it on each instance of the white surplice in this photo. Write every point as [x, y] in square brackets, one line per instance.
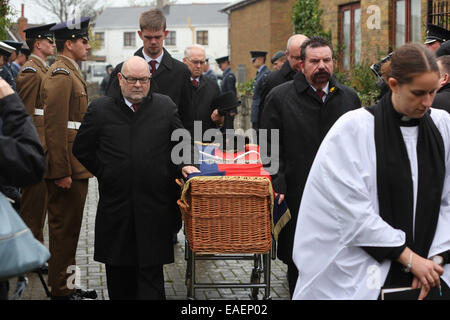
[339, 212]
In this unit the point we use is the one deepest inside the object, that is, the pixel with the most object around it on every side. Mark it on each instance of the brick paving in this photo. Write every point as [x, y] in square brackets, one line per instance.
[93, 273]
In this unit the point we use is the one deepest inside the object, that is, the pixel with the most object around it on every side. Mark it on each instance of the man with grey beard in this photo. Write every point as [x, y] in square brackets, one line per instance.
[303, 110]
[126, 143]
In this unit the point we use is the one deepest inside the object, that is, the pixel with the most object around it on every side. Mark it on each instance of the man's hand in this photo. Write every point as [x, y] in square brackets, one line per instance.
[187, 170]
[5, 89]
[281, 198]
[217, 118]
[64, 183]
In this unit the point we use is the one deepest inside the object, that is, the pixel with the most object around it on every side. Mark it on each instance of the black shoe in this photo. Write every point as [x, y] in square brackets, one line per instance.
[86, 294]
[69, 297]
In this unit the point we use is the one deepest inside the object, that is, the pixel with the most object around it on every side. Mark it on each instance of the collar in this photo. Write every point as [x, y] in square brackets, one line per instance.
[301, 84]
[148, 59]
[326, 89]
[445, 87]
[16, 64]
[260, 68]
[70, 60]
[198, 79]
[38, 59]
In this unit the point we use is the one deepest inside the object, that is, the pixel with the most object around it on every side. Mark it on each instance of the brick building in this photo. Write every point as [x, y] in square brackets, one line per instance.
[257, 25]
[369, 29]
[361, 30]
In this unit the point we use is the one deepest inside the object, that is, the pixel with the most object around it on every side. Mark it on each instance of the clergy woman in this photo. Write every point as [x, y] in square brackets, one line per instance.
[375, 212]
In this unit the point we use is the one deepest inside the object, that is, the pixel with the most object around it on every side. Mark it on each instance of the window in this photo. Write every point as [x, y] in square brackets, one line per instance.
[350, 35]
[407, 21]
[129, 39]
[171, 39]
[439, 13]
[202, 37]
[99, 37]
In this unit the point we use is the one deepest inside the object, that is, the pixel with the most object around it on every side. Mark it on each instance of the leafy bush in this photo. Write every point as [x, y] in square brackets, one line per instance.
[361, 78]
[245, 88]
[5, 11]
[306, 19]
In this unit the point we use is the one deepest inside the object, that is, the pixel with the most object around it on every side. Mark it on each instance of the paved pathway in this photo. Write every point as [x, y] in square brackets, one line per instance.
[93, 273]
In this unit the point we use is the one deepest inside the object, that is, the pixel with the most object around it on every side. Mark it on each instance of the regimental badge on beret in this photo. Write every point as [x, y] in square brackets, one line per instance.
[29, 70]
[61, 71]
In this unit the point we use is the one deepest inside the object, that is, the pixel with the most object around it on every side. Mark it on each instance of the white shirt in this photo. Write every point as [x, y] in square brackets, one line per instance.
[325, 90]
[158, 60]
[339, 212]
[129, 104]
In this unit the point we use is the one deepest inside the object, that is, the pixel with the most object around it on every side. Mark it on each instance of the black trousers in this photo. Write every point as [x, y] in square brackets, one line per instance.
[135, 282]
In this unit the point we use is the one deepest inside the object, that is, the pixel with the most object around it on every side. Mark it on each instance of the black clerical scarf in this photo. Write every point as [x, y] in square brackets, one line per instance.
[394, 181]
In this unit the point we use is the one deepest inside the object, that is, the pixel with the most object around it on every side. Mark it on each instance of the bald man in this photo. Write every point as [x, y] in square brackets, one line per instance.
[287, 71]
[126, 143]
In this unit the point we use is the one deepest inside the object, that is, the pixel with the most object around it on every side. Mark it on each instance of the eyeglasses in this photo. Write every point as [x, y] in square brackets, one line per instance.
[194, 62]
[296, 57]
[131, 80]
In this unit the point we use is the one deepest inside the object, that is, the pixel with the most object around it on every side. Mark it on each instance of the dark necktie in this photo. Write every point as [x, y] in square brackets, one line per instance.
[320, 93]
[135, 106]
[152, 64]
[195, 83]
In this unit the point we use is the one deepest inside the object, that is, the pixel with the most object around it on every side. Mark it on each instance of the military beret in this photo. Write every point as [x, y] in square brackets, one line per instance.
[277, 56]
[72, 29]
[40, 32]
[436, 33]
[5, 49]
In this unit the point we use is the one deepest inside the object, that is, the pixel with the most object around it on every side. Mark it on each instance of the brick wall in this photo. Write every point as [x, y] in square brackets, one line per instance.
[262, 25]
[375, 42]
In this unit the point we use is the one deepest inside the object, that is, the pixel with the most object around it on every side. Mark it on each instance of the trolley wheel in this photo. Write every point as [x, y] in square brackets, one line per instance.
[255, 279]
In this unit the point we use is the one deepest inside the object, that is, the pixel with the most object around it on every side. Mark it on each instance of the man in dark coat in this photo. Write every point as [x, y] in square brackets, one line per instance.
[287, 71]
[169, 77]
[302, 110]
[126, 143]
[258, 62]
[442, 98]
[204, 91]
[228, 84]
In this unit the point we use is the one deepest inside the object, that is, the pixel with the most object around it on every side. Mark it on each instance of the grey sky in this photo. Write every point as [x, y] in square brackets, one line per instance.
[36, 14]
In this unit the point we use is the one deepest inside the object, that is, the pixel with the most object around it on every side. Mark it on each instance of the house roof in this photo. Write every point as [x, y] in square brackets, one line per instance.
[236, 5]
[176, 15]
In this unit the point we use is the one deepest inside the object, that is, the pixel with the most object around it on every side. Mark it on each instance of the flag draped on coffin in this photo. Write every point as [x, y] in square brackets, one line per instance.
[247, 163]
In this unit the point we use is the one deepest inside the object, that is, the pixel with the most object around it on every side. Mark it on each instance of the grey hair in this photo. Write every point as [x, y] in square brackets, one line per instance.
[187, 51]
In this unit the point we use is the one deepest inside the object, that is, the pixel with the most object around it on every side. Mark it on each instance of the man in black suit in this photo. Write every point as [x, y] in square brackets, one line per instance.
[126, 143]
[204, 91]
[287, 71]
[169, 77]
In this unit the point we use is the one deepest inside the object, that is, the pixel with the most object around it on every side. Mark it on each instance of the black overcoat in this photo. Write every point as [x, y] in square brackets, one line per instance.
[202, 102]
[273, 80]
[442, 98]
[303, 120]
[130, 154]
